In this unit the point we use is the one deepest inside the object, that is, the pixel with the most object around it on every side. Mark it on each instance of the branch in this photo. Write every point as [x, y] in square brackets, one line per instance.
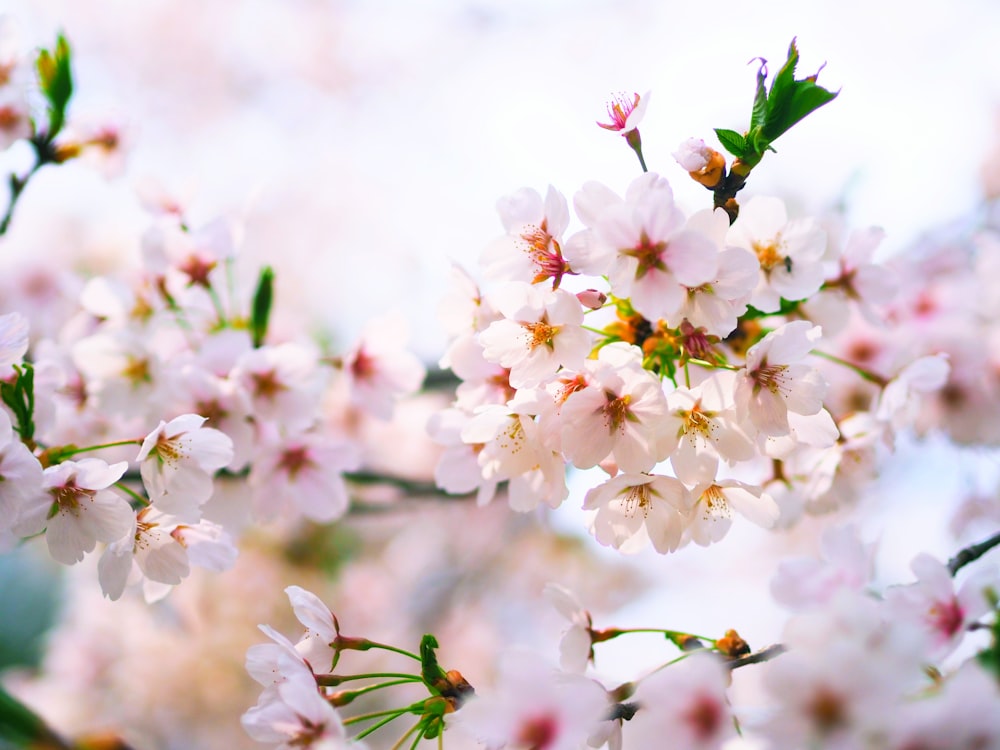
[765, 654]
[972, 553]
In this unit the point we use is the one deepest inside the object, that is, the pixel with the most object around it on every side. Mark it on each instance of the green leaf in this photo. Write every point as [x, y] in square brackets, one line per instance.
[55, 78]
[430, 670]
[22, 727]
[732, 141]
[760, 96]
[263, 297]
[790, 100]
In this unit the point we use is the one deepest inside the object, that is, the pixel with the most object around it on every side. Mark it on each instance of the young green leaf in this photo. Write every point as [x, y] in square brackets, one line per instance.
[55, 78]
[263, 297]
[790, 100]
[732, 141]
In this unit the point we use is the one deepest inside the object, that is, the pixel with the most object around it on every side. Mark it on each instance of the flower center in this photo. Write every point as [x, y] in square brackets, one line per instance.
[294, 460]
[616, 411]
[768, 255]
[649, 254]
[636, 498]
[545, 254]
[540, 334]
[537, 732]
[770, 377]
[704, 717]
[715, 504]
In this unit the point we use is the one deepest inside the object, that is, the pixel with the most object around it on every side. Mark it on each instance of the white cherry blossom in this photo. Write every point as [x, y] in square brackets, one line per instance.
[619, 413]
[177, 461]
[633, 510]
[790, 252]
[775, 382]
[80, 510]
[539, 333]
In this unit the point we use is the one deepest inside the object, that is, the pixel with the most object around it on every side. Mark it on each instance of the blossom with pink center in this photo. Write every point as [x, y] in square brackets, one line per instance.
[856, 280]
[531, 248]
[177, 461]
[711, 513]
[533, 706]
[305, 472]
[790, 252]
[379, 370]
[655, 257]
[79, 510]
[774, 382]
[540, 332]
[626, 112]
[686, 702]
[619, 413]
[283, 382]
[633, 510]
[847, 667]
[936, 606]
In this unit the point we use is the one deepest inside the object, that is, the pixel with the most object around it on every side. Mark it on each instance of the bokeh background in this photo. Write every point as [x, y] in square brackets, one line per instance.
[362, 147]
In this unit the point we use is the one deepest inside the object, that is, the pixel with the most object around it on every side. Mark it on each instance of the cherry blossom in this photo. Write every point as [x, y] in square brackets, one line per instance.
[79, 510]
[686, 702]
[177, 461]
[626, 113]
[655, 258]
[534, 705]
[774, 382]
[633, 510]
[618, 412]
[531, 250]
[790, 252]
[539, 333]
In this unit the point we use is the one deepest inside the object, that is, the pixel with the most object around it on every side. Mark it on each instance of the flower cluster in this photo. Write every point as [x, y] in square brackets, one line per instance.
[697, 394]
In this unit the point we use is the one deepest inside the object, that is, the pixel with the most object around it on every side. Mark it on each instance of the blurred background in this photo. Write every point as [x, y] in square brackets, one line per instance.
[362, 146]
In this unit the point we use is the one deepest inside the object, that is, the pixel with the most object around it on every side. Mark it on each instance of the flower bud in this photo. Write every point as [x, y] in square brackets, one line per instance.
[592, 299]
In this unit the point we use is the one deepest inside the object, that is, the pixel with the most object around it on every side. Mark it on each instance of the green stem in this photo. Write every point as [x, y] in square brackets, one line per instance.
[333, 680]
[72, 451]
[144, 502]
[390, 716]
[220, 311]
[866, 374]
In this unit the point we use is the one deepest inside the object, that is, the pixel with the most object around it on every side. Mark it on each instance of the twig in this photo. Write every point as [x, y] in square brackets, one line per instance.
[972, 553]
[765, 654]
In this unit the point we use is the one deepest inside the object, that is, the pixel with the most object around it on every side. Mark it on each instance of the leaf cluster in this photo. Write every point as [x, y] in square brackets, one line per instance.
[775, 110]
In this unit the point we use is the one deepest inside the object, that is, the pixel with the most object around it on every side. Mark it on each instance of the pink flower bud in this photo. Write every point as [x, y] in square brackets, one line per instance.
[591, 298]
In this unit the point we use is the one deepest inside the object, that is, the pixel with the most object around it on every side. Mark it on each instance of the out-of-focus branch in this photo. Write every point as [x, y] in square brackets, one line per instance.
[972, 553]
